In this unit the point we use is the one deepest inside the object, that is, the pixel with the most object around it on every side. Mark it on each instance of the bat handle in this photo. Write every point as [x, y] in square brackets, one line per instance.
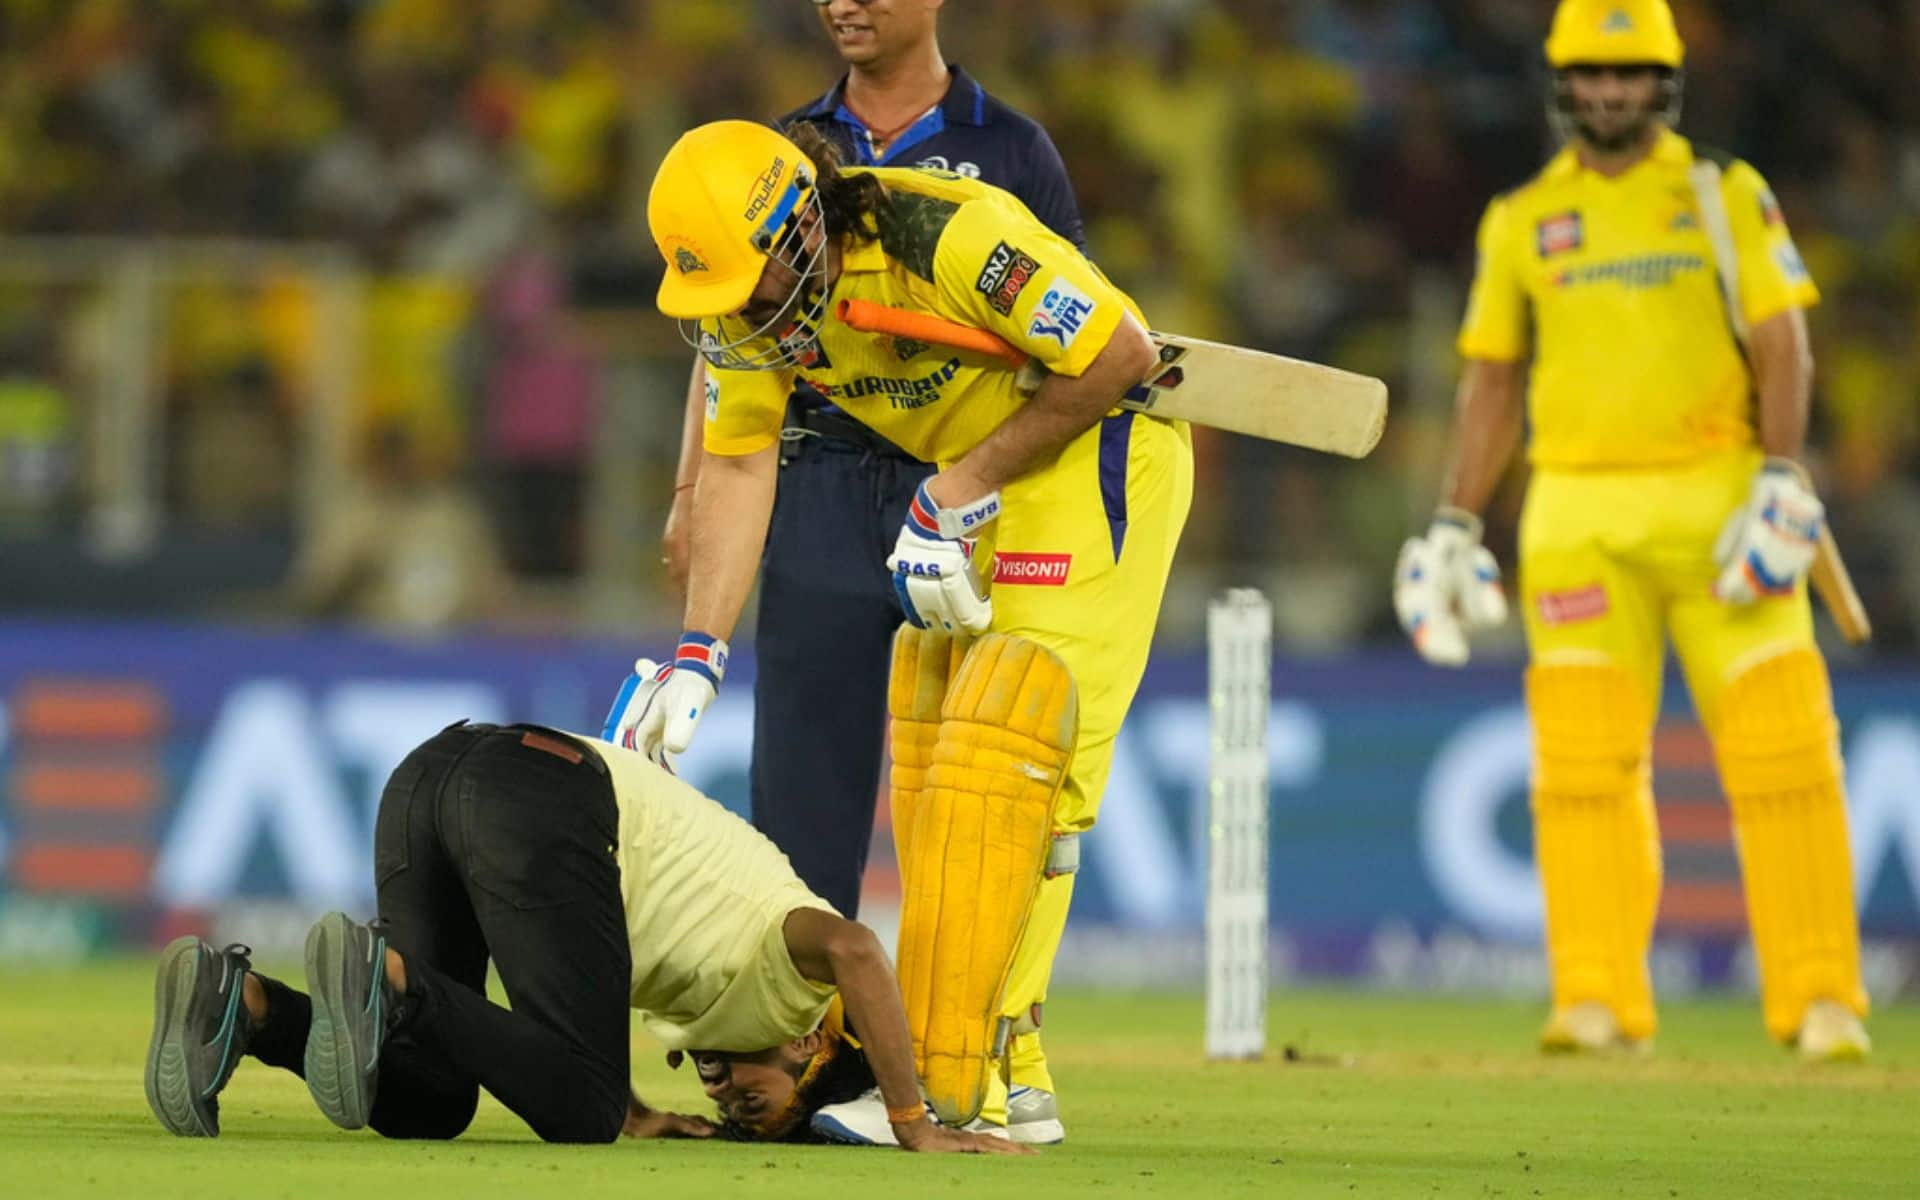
[1835, 585]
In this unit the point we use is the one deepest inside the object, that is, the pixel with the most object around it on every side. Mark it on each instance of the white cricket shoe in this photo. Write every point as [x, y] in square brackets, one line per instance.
[862, 1121]
[1830, 1032]
[1586, 1028]
[1033, 1119]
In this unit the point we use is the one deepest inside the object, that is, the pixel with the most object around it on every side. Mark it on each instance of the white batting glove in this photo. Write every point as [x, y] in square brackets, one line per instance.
[1445, 585]
[659, 707]
[1769, 542]
[932, 564]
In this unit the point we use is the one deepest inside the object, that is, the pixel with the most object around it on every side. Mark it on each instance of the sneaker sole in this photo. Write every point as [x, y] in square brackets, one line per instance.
[169, 1089]
[335, 1076]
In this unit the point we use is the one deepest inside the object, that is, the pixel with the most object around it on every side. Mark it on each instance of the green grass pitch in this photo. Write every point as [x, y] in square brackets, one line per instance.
[1396, 1096]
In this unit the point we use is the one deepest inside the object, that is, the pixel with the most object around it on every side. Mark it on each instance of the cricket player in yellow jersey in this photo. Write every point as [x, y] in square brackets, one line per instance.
[1052, 519]
[1666, 501]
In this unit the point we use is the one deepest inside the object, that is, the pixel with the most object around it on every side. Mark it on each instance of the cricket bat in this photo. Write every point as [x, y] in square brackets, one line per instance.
[1836, 589]
[1208, 383]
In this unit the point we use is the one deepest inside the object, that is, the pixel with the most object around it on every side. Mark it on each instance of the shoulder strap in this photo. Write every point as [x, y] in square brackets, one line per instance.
[1704, 175]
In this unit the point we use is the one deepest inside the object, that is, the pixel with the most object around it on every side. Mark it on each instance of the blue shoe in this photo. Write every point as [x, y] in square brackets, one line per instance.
[354, 1009]
[200, 1029]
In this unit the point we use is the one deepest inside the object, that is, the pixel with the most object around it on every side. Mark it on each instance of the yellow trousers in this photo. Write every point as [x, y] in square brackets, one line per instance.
[1081, 555]
[1612, 564]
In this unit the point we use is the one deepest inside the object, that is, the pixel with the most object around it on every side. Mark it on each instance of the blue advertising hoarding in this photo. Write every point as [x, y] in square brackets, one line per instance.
[186, 769]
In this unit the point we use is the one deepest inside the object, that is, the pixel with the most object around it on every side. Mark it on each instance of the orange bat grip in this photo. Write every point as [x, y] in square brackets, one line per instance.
[868, 317]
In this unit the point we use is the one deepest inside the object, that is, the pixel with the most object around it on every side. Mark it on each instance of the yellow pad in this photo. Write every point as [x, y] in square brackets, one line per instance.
[924, 660]
[981, 833]
[1595, 837]
[1779, 750]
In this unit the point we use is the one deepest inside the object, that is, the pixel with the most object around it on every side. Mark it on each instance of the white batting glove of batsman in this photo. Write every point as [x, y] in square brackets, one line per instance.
[1769, 542]
[659, 707]
[1445, 585]
[932, 564]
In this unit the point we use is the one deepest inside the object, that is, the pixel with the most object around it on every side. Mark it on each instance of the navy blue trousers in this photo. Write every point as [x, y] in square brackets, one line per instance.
[823, 646]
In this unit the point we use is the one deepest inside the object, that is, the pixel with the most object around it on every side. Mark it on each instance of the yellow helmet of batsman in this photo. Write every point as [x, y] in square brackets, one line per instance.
[1614, 33]
[718, 203]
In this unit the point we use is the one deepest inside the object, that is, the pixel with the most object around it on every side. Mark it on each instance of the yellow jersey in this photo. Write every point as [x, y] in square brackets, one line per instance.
[955, 248]
[1610, 283]
[707, 898]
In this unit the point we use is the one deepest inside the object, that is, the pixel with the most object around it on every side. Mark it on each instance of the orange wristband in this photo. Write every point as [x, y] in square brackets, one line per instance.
[907, 1116]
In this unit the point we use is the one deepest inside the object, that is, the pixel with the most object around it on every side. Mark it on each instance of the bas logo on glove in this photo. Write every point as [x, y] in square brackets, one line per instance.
[931, 563]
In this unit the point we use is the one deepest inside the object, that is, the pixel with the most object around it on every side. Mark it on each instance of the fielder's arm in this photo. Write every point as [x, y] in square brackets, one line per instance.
[1488, 416]
[1782, 363]
[732, 506]
[1062, 409]
[674, 538]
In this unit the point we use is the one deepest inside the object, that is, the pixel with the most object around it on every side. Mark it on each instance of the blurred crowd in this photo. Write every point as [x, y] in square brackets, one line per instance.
[1299, 175]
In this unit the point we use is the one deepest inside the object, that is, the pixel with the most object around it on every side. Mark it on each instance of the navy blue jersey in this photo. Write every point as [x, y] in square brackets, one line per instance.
[969, 133]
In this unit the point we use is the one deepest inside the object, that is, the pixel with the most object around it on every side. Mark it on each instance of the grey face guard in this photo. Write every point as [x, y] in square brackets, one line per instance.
[795, 236]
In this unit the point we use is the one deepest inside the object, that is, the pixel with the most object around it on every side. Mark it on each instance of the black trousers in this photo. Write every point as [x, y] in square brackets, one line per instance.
[496, 843]
[823, 647]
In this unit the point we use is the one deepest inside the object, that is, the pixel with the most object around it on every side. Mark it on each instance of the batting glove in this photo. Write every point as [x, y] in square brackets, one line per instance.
[1769, 542]
[1445, 585]
[932, 564]
[659, 706]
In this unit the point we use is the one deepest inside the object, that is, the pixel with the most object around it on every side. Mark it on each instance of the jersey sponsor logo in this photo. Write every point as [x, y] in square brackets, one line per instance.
[1787, 256]
[1006, 275]
[1559, 233]
[1062, 314]
[1032, 570]
[713, 397]
[762, 193]
[1641, 271]
[1573, 605]
[900, 393]
[938, 163]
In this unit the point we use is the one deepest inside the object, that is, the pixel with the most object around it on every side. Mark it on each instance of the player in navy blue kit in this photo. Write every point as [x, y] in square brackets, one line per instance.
[827, 605]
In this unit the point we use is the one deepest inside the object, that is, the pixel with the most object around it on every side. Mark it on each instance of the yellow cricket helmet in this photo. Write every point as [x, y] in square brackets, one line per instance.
[718, 205]
[1614, 33]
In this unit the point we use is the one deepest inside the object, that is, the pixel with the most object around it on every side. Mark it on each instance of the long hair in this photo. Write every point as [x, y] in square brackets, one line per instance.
[852, 205]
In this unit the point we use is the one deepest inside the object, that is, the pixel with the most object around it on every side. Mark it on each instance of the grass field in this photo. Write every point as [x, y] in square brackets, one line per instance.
[1398, 1096]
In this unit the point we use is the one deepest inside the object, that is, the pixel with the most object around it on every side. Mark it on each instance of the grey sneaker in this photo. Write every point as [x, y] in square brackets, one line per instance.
[1033, 1119]
[200, 1030]
[354, 1008]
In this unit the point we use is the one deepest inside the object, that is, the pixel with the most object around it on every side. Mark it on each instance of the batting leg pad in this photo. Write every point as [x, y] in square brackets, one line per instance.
[1595, 836]
[924, 662]
[1779, 751]
[979, 846]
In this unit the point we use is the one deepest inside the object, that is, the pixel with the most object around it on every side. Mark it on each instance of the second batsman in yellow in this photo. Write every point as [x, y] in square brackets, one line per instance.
[1047, 533]
[1666, 501]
